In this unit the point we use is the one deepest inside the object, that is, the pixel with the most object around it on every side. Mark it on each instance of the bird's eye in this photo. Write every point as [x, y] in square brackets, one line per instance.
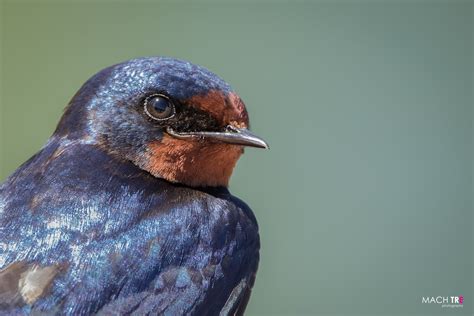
[159, 107]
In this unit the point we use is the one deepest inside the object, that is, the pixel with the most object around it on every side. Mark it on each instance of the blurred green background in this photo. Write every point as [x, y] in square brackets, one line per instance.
[365, 198]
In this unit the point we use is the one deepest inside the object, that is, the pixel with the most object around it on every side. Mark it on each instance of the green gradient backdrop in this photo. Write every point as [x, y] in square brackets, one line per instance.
[365, 198]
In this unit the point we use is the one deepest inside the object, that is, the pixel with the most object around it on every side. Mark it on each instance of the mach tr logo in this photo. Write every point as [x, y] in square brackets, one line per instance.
[444, 301]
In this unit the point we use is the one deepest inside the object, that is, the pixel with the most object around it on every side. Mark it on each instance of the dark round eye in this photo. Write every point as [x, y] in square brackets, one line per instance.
[159, 107]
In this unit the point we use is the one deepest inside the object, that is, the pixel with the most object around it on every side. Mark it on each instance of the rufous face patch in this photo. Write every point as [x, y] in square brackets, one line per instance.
[192, 162]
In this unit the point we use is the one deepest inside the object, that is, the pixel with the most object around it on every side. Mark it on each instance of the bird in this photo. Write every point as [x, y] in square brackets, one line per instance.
[126, 208]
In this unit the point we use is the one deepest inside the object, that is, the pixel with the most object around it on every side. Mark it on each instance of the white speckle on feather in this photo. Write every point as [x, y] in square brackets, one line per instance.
[54, 223]
[2, 205]
[35, 281]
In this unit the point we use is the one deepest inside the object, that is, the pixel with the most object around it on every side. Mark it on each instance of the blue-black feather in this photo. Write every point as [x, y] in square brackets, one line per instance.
[122, 235]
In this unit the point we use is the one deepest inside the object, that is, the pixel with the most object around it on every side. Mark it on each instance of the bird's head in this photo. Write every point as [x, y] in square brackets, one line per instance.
[176, 120]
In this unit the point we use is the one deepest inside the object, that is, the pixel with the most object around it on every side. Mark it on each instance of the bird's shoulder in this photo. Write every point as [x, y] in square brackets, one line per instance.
[83, 192]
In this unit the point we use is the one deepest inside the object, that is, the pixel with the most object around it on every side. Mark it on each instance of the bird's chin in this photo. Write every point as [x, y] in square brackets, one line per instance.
[230, 135]
[192, 163]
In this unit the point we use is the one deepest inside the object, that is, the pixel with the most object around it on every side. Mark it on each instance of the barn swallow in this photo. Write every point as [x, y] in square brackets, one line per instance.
[126, 210]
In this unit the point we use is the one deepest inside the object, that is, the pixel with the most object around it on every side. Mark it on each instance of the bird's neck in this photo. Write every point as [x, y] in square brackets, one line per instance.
[191, 163]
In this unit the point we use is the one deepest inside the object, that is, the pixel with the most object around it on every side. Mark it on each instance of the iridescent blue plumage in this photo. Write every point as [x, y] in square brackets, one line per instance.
[117, 239]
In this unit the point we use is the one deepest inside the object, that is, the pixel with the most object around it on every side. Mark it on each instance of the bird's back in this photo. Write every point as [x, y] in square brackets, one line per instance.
[84, 232]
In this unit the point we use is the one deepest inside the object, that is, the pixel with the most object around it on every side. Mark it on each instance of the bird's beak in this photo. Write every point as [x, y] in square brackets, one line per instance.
[231, 135]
